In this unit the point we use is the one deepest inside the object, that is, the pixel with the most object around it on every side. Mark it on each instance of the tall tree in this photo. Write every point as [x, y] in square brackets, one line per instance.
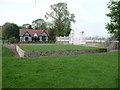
[10, 30]
[62, 18]
[114, 25]
[51, 31]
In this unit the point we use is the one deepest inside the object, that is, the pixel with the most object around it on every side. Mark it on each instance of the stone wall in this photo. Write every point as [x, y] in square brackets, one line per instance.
[20, 51]
[23, 53]
[10, 46]
[62, 52]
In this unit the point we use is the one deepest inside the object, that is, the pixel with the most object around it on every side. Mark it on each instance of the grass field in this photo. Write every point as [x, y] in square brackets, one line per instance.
[98, 70]
[52, 47]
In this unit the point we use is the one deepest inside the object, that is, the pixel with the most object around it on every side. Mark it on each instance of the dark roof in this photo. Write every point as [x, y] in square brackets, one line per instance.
[31, 32]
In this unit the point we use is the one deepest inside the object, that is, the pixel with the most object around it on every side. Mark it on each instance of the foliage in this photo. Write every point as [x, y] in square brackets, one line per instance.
[21, 27]
[49, 47]
[49, 25]
[114, 25]
[36, 24]
[12, 40]
[26, 26]
[44, 26]
[51, 31]
[10, 30]
[52, 34]
[111, 42]
[98, 70]
[61, 18]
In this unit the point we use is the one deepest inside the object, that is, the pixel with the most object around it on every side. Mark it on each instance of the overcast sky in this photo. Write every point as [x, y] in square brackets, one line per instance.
[90, 14]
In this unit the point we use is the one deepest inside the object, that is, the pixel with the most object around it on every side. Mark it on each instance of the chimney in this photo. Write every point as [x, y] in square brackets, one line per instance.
[40, 27]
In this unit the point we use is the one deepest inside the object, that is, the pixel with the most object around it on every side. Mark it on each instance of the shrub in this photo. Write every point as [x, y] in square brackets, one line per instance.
[12, 40]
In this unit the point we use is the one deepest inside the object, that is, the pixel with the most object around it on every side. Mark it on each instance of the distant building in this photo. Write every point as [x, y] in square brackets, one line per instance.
[33, 35]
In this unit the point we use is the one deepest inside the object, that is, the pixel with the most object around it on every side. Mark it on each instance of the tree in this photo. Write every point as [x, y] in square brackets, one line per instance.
[113, 26]
[36, 24]
[49, 25]
[51, 34]
[61, 18]
[51, 30]
[10, 30]
[44, 26]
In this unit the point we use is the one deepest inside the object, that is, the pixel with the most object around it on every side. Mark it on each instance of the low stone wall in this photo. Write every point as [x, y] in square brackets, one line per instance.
[10, 46]
[20, 51]
[23, 53]
[63, 52]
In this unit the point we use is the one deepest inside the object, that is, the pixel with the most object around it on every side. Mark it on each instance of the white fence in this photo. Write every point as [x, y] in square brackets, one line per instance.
[99, 41]
[95, 40]
[65, 38]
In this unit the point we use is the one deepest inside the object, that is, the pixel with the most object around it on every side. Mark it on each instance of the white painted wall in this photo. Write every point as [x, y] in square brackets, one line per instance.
[20, 51]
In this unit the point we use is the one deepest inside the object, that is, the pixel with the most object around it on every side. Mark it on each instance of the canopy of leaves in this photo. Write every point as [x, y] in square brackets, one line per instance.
[28, 26]
[36, 24]
[10, 30]
[114, 25]
[62, 18]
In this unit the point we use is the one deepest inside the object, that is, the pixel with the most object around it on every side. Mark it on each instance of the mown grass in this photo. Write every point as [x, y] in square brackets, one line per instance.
[52, 47]
[6, 52]
[98, 70]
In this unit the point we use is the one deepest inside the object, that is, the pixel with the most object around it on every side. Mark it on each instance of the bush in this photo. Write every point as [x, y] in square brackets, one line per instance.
[12, 40]
[5, 41]
[51, 41]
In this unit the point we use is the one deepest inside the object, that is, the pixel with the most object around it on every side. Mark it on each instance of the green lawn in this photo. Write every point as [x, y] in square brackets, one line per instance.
[6, 52]
[98, 70]
[50, 47]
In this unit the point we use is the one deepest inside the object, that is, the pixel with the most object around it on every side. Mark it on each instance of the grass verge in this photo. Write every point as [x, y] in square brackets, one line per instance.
[52, 47]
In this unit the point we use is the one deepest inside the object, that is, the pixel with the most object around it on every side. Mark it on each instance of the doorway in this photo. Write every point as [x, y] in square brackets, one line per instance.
[26, 38]
[43, 38]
